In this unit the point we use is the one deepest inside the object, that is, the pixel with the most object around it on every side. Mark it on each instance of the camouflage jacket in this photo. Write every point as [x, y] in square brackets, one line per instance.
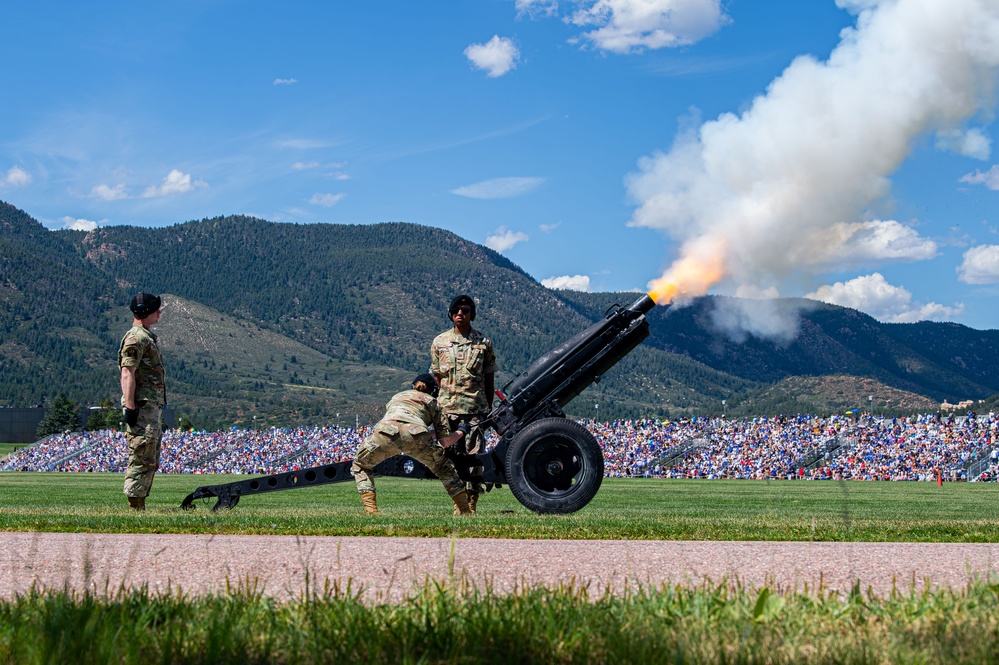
[418, 408]
[139, 350]
[462, 363]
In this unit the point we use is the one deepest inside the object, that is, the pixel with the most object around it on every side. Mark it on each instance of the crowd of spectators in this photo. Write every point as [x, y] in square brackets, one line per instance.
[754, 448]
[923, 448]
[235, 450]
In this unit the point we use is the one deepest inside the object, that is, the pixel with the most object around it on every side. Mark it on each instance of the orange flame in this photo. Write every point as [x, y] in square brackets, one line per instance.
[688, 276]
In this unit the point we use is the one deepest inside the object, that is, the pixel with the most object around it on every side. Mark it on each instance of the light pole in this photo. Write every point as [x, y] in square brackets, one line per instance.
[870, 405]
[596, 413]
[723, 409]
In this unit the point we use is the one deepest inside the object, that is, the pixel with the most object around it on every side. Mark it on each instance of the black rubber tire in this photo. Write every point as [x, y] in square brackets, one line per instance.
[554, 465]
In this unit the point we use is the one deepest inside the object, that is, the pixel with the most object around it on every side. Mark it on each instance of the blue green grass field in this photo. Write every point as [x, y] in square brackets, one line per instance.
[637, 509]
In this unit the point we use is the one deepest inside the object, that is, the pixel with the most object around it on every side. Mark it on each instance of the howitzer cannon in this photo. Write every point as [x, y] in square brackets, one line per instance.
[551, 464]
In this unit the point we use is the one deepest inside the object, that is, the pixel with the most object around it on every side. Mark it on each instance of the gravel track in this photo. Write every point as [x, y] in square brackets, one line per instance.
[388, 569]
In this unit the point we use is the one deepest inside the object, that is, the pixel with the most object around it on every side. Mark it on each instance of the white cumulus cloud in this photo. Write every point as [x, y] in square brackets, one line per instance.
[108, 193]
[875, 296]
[174, 183]
[972, 143]
[989, 178]
[499, 188]
[496, 57]
[16, 177]
[625, 26]
[980, 265]
[568, 282]
[285, 81]
[502, 239]
[326, 200]
[75, 224]
[537, 8]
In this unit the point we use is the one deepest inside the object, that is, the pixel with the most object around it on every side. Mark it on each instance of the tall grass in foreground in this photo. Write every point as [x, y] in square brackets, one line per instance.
[719, 624]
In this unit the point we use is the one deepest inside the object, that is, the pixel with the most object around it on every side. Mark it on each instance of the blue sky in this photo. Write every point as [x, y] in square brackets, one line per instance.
[842, 150]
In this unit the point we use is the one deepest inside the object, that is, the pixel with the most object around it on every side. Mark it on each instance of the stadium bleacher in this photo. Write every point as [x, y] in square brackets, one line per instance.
[917, 448]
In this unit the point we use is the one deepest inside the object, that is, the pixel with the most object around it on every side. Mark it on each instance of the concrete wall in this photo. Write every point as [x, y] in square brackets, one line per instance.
[19, 425]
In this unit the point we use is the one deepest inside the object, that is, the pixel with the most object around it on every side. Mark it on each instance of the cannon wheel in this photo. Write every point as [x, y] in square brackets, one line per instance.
[554, 465]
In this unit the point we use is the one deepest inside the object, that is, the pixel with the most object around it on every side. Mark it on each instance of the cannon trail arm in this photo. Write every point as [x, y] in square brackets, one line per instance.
[227, 495]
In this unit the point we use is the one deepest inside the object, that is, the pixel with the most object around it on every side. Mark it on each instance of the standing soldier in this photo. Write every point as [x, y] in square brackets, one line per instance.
[143, 396]
[463, 361]
[404, 431]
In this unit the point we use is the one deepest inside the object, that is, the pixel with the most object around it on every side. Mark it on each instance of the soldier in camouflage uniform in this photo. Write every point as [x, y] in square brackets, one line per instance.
[404, 431]
[463, 361]
[143, 396]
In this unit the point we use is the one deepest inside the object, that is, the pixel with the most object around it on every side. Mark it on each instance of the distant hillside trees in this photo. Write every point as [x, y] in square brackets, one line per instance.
[62, 416]
[107, 416]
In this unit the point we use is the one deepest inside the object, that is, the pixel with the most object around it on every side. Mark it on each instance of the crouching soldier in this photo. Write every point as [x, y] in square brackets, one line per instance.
[404, 430]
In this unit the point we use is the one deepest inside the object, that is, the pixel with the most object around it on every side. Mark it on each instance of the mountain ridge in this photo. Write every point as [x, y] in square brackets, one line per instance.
[371, 297]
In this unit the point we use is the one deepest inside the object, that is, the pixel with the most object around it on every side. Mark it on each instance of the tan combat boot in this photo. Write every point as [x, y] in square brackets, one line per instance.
[473, 500]
[370, 507]
[137, 502]
[461, 506]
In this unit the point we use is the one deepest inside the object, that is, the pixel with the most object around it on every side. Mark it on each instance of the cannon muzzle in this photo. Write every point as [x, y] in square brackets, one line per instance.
[643, 305]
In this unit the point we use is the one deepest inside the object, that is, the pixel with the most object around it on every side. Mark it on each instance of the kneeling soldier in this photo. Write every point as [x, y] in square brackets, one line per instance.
[404, 431]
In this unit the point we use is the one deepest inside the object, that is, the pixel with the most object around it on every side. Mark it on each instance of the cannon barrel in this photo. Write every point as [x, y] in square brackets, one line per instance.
[557, 377]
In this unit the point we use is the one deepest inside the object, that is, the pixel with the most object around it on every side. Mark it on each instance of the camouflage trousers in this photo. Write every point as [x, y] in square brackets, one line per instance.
[473, 444]
[393, 438]
[143, 451]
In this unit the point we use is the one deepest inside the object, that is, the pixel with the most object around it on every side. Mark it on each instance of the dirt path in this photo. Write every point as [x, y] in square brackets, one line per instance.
[388, 568]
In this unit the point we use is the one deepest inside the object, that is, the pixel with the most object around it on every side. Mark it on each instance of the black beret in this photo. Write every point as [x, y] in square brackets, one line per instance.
[429, 380]
[144, 304]
[458, 302]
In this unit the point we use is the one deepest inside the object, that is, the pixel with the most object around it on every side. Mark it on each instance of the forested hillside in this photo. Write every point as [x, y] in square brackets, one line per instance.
[52, 306]
[295, 323]
[365, 293]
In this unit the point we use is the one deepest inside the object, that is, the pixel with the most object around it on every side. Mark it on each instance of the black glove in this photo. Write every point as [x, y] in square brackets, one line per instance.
[463, 428]
[131, 416]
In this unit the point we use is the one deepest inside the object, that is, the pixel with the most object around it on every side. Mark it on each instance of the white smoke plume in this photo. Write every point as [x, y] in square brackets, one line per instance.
[784, 189]
[763, 317]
